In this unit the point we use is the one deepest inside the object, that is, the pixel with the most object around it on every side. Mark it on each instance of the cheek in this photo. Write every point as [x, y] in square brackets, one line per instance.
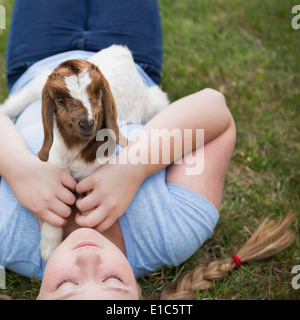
[63, 116]
[52, 273]
[118, 263]
[98, 115]
[62, 110]
[59, 260]
[56, 262]
[59, 263]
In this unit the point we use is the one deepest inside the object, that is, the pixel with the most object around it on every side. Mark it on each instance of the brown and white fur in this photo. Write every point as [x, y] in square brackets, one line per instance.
[78, 101]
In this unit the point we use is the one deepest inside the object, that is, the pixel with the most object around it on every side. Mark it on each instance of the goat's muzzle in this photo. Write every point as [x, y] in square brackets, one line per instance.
[86, 128]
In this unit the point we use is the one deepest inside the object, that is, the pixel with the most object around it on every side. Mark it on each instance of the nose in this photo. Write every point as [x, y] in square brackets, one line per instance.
[89, 263]
[86, 125]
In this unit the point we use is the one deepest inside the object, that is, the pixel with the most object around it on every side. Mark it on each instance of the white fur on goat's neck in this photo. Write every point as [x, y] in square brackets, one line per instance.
[77, 87]
[69, 159]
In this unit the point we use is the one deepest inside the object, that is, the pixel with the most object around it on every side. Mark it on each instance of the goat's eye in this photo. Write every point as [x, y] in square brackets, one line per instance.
[59, 99]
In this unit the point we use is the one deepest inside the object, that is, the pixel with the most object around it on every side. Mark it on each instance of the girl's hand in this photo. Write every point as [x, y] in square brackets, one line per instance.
[112, 188]
[43, 189]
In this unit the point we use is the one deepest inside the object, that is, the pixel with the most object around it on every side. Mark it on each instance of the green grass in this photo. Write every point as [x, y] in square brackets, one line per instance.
[249, 51]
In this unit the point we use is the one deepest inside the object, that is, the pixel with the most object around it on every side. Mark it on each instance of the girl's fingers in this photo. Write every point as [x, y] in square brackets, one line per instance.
[66, 196]
[85, 185]
[68, 181]
[54, 219]
[88, 202]
[94, 218]
[61, 209]
[105, 224]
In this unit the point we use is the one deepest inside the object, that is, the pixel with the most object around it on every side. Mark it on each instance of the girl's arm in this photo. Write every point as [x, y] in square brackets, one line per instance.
[205, 110]
[39, 187]
[114, 185]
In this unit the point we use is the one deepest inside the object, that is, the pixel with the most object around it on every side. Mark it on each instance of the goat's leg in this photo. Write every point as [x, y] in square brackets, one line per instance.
[51, 237]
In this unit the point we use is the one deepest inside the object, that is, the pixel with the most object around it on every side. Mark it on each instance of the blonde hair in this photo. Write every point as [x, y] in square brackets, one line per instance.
[269, 239]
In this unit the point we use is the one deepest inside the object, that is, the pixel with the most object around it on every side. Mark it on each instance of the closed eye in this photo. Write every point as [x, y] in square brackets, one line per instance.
[113, 276]
[66, 281]
[69, 280]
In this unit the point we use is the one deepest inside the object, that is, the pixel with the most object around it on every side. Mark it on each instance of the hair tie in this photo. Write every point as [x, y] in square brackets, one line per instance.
[237, 260]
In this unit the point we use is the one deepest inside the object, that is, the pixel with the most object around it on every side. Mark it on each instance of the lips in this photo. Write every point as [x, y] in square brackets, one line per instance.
[86, 244]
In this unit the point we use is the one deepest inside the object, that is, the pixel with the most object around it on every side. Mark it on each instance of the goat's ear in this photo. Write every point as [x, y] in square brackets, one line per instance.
[110, 114]
[48, 108]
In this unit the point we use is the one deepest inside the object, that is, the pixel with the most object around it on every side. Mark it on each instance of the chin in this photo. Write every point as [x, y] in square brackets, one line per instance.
[84, 232]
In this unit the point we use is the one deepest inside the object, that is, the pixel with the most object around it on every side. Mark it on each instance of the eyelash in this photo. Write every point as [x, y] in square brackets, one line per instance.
[114, 276]
[65, 281]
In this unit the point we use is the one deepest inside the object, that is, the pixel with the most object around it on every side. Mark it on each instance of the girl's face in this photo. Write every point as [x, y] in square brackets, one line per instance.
[87, 266]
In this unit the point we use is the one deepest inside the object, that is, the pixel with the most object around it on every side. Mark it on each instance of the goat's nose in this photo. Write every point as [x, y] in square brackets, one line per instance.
[86, 125]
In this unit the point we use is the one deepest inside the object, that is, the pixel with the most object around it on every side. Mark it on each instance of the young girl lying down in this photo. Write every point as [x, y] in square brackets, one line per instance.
[146, 216]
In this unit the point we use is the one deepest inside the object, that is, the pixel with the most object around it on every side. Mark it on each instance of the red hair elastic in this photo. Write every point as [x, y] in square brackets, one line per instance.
[237, 260]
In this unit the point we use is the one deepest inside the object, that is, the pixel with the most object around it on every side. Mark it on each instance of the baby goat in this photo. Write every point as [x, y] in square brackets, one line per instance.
[77, 102]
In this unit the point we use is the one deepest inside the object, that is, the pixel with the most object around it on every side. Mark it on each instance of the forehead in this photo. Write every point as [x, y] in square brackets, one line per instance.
[75, 68]
[77, 84]
[76, 76]
[72, 67]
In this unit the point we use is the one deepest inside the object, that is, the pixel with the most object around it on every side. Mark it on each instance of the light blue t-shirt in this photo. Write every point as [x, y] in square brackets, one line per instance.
[164, 225]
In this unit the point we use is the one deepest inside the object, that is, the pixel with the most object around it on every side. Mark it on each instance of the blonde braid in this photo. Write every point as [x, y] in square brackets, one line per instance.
[269, 239]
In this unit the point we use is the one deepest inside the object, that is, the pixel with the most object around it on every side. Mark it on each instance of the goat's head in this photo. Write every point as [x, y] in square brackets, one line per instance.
[78, 98]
